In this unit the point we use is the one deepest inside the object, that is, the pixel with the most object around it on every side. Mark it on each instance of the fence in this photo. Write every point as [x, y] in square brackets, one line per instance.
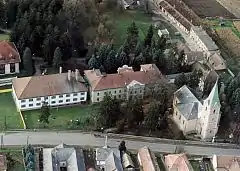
[6, 81]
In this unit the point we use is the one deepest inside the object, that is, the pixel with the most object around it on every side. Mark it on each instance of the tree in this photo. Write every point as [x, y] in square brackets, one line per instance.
[10, 161]
[194, 79]
[120, 125]
[57, 58]
[161, 43]
[153, 116]
[148, 38]
[236, 98]
[132, 37]
[94, 63]
[181, 80]
[109, 112]
[45, 113]
[27, 61]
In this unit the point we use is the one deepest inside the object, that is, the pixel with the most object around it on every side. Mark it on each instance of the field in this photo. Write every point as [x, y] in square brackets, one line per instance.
[9, 111]
[237, 25]
[4, 37]
[208, 8]
[76, 117]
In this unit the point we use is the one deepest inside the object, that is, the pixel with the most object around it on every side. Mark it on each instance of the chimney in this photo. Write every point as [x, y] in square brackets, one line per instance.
[76, 74]
[60, 70]
[69, 75]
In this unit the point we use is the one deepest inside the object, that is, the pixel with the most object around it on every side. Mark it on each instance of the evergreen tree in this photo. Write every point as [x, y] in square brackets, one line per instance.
[161, 43]
[94, 63]
[132, 37]
[148, 38]
[45, 113]
[139, 48]
[27, 61]
[57, 58]
[236, 98]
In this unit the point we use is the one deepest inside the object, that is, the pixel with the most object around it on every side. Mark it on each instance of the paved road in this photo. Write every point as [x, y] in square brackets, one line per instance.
[82, 139]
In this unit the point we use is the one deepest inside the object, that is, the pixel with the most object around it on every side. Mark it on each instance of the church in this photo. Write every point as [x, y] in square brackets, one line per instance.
[199, 114]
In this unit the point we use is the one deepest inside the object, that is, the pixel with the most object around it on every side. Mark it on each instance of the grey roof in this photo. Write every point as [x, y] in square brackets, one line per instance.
[61, 155]
[113, 163]
[188, 103]
[217, 62]
[189, 110]
[103, 153]
[194, 56]
[205, 38]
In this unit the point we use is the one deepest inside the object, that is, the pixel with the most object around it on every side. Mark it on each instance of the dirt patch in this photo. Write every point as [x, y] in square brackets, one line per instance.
[208, 8]
[230, 40]
[231, 5]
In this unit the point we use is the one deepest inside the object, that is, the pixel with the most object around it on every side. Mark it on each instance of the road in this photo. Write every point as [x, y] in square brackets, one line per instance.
[84, 139]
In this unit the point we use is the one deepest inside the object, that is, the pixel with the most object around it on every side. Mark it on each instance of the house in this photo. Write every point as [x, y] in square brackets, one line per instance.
[127, 161]
[123, 84]
[9, 58]
[226, 163]
[3, 163]
[200, 115]
[163, 33]
[217, 62]
[145, 159]
[177, 162]
[113, 163]
[63, 157]
[103, 153]
[56, 90]
[203, 41]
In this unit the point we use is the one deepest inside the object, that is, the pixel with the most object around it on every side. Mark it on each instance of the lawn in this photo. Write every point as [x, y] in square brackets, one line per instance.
[8, 110]
[61, 118]
[121, 21]
[4, 37]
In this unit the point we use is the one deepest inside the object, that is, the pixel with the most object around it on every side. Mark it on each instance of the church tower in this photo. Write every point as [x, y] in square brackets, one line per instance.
[210, 114]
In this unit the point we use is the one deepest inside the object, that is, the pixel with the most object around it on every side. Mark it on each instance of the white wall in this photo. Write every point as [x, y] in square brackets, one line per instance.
[214, 162]
[65, 99]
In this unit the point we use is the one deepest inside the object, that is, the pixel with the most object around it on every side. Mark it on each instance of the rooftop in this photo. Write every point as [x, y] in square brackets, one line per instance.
[178, 162]
[8, 53]
[48, 85]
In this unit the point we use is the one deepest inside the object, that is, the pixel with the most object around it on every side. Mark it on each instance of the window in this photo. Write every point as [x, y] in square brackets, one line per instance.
[135, 92]
[210, 132]
[12, 68]
[119, 96]
[61, 96]
[67, 100]
[74, 99]
[23, 101]
[39, 98]
[67, 95]
[183, 122]
[53, 102]
[22, 106]
[38, 104]
[97, 94]
[105, 93]
[30, 105]
[176, 113]
[140, 91]
[115, 91]
[45, 98]
[82, 98]
[97, 99]
[180, 117]
[214, 111]
[120, 91]
[30, 100]
[60, 101]
[53, 97]
[82, 94]
[206, 108]
[75, 94]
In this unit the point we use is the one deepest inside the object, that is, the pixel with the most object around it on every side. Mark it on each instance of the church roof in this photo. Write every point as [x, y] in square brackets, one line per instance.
[189, 110]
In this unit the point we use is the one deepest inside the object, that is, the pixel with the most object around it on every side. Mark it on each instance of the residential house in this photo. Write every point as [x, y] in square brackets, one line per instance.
[177, 162]
[113, 163]
[203, 41]
[63, 157]
[9, 58]
[3, 163]
[103, 153]
[226, 163]
[145, 159]
[56, 90]
[198, 115]
[123, 84]
[163, 33]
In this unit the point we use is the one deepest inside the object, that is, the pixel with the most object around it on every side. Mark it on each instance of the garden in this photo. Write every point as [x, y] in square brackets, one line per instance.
[74, 117]
[10, 117]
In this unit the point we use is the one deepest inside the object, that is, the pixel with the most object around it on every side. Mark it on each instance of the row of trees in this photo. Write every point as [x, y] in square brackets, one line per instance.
[132, 113]
[135, 52]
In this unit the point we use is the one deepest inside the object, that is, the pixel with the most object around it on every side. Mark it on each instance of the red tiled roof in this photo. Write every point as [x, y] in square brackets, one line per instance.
[112, 81]
[178, 161]
[8, 53]
[146, 159]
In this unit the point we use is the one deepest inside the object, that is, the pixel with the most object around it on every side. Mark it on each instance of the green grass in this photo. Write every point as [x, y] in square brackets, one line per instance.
[4, 37]
[61, 118]
[121, 21]
[195, 165]
[8, 110]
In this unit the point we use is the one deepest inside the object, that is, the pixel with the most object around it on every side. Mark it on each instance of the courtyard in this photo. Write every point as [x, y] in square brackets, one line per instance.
[74, 117]
[9, 116]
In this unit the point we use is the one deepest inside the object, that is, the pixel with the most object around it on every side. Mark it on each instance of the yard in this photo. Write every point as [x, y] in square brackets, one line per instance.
[76, 117]
[9, 113]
